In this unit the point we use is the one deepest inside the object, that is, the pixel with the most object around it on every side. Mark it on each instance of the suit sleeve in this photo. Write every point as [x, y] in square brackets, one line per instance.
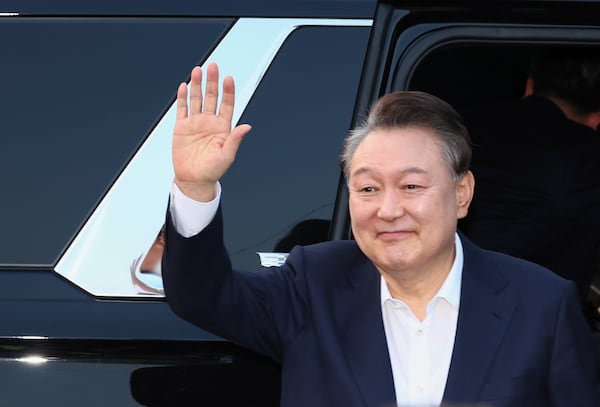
[574, 370]
[261, 310]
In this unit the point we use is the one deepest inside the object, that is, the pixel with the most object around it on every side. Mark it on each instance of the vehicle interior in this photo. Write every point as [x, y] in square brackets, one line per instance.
[485, 74]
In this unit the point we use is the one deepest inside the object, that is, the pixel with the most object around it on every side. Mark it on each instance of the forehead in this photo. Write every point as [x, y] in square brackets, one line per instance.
[398, 149]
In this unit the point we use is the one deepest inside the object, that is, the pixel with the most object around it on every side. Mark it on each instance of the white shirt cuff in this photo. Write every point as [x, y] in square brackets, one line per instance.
[190, 217]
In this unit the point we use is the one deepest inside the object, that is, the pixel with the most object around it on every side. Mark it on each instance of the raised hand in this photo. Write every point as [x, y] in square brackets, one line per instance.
[204, 146]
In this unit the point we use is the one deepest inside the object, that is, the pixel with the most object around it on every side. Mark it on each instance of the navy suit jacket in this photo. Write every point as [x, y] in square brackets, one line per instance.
[520, 341]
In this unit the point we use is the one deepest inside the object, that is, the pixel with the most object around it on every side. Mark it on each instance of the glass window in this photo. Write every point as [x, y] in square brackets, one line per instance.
[117, 252]
[71, 115]
[287, 171]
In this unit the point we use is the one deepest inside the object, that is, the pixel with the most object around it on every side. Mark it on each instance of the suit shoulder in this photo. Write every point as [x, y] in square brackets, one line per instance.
[524, 273]
[332, 252]
[329, 260]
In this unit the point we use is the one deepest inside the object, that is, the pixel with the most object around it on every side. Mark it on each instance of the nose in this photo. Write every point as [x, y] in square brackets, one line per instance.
[390, 206]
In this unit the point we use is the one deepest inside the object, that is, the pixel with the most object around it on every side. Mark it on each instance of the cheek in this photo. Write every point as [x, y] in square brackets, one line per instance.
[424, 210]
[358, 208]
[433, 209]
[419, 208]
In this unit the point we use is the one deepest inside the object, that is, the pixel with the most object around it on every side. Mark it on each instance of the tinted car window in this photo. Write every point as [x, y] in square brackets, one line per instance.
[117, 251]
[67, 122]
[501, 68]
[287, 170]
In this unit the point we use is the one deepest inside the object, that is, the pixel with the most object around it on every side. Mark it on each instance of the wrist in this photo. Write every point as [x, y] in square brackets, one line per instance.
[200, 192]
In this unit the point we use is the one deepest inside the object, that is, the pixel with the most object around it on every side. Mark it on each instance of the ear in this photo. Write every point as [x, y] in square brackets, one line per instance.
[529, 86]
[465, 188]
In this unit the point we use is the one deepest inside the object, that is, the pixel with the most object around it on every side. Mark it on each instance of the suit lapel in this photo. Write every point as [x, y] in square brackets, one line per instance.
[359, 320]
[486, 307]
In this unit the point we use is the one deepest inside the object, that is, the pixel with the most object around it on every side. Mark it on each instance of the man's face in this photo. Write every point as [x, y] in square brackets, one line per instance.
[404, 204]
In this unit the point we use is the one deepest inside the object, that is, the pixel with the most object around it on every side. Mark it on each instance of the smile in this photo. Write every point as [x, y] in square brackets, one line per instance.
[393, 234]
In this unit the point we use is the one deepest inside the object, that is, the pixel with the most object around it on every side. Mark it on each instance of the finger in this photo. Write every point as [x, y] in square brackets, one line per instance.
[228, 99]
[196, 90]
[182, 107]
[212, 88]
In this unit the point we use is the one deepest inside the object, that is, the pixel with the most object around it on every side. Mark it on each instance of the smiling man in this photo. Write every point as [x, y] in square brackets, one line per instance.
[409, 313]
[406, 196]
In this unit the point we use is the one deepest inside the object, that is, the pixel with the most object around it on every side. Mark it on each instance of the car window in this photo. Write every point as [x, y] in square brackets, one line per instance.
[79, 95]
[287, 171]
[286, 62]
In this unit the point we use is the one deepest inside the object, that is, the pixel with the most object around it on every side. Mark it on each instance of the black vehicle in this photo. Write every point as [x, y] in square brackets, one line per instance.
[86, 171]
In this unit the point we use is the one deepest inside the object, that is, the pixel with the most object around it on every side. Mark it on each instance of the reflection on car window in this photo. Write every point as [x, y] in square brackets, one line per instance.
[145, 270]
[287, 170]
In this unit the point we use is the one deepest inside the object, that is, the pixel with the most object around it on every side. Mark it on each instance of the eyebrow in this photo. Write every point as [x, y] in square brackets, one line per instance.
[405, 171]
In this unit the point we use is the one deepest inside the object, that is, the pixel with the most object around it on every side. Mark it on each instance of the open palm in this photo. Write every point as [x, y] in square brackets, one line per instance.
[204, 146]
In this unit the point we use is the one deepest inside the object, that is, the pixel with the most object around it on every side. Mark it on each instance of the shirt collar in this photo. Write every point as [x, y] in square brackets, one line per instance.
[450, 289]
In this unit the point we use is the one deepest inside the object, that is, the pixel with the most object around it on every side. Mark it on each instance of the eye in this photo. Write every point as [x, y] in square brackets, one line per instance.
[412, 187]
[365, 190]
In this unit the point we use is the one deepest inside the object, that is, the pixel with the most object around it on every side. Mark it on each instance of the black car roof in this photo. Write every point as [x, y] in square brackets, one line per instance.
[241, 8]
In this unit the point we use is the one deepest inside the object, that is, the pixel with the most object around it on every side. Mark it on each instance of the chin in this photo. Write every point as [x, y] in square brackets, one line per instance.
[393, 263]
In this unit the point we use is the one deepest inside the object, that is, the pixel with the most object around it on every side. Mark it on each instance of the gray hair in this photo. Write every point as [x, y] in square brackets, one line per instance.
[415, 109]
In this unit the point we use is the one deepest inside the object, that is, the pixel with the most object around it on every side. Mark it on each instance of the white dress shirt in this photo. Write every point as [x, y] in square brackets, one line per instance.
[420, 351]
[190, 217]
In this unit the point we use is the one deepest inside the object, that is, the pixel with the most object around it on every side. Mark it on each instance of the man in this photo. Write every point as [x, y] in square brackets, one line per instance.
[537, 168]
[410, 313]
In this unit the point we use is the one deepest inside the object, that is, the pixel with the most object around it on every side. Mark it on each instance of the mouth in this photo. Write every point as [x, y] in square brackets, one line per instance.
[389, 235]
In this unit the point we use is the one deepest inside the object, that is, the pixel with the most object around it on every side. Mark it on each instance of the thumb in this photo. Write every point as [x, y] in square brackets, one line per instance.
[233, 141]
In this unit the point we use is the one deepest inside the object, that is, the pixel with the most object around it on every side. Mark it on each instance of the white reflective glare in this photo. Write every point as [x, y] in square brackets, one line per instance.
[33, 360]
